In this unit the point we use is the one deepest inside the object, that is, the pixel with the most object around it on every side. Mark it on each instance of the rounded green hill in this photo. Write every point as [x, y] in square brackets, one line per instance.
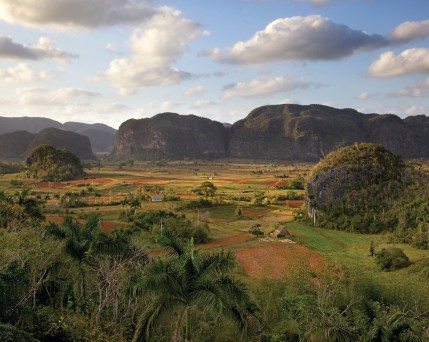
[51, 164]
[356, 187]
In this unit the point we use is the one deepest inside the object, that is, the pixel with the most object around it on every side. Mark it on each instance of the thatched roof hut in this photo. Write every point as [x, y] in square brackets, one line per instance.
[281, 232]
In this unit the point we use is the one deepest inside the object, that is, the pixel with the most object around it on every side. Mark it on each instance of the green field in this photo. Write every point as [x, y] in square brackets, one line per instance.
[270, 267]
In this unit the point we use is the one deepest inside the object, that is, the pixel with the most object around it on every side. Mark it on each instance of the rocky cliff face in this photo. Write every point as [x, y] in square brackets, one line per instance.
[170, 136]
[17, 145]
[295, 132]
[288, 132]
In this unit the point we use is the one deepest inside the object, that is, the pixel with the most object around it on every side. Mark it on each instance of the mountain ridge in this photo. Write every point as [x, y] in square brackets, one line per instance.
[102, 136]
[282, 132]
[19, 144]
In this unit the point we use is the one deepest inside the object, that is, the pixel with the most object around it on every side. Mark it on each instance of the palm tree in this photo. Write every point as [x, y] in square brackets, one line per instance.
[387, 323]
[83, 242]
[191, 280]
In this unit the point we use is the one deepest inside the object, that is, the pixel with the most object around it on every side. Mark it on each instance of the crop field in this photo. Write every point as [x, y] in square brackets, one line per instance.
[103, 189]
[247, 195]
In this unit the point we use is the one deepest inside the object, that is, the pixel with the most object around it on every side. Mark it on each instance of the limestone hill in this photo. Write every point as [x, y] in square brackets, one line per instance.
[283, 132]
[171, 136]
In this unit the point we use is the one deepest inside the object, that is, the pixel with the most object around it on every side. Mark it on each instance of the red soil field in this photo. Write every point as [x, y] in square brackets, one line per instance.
[187, 196]
[294, 203]
[277, 182]
[278, 260]
[50, 185]
[108, 226]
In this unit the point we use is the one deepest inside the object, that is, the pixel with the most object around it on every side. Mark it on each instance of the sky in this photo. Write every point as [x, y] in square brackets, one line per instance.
[112, 60]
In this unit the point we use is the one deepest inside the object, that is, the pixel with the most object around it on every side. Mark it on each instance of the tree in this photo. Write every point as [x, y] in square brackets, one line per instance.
[19, 209]
[81, 242]
[208, 189]
[188, 281]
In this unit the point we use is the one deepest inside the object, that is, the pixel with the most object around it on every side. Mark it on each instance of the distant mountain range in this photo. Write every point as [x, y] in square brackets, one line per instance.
[283, 132]
[18, 144]
[277, 132]
[101, 136]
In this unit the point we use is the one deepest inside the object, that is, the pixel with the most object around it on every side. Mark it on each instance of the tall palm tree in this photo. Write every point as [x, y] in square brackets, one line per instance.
[188, 280]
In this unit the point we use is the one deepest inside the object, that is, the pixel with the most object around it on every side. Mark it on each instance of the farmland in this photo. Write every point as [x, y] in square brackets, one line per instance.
[247, 194]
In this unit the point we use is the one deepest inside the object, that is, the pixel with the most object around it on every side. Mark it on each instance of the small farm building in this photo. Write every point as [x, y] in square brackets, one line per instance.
[280, 232]
[157, 198]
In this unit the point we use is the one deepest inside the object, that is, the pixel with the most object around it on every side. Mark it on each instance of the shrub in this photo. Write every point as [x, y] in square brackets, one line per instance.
[391, 259]
[256, 230]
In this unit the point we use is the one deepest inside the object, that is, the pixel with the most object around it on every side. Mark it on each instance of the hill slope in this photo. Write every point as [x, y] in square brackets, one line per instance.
[102, 137]
[17, 145]
[171, 136]
[296, 132]
[366, 188]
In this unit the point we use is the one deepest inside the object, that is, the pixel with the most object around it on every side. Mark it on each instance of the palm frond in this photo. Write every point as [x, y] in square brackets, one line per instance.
[164, 277]
[151, 315]
[171, 240]
[222, 262]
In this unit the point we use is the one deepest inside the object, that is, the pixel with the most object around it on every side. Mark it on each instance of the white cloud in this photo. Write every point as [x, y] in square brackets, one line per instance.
[416, 110]
[32, 96]
[411, 61]
[23, 73]
[75, 13]
[298, 38]
[203, 103]
[168, 105]
[411, 30]
[418, 89]
[363, 96]
[154, 48]
[265, 86]
[195, 91]
[43, 49]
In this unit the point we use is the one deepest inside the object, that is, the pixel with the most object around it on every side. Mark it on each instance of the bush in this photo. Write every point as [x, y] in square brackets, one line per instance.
[10, 333]
[391, 259]
[256, 230]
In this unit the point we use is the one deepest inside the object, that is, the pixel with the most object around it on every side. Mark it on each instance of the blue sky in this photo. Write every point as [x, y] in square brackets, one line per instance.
[112, 60]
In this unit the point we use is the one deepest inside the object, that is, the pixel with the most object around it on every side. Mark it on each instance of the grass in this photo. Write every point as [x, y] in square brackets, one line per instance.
[351, 251]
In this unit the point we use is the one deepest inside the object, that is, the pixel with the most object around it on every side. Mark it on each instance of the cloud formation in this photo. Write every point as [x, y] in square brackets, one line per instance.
[418, 89]
[43, 49]
[298, 38]
[154, 48]
[75, 13]
[34, 96]
[264, 86]
[411, 30]
[410, 61]
[23, 73]
[195, 91]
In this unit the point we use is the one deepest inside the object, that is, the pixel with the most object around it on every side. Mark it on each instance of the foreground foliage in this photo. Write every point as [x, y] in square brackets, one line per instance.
[191, 281]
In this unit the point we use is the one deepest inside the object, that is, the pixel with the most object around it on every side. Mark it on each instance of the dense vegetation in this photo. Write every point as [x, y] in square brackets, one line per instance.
[366, 188]
[50, 164]
[146, 280]
[6, 168]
